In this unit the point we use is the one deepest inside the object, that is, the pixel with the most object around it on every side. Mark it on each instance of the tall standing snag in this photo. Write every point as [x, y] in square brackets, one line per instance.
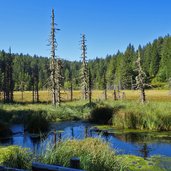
[84, 69]
[105, 86]
[35, 83]
[55, 66]
[140, 79]
[90, 87]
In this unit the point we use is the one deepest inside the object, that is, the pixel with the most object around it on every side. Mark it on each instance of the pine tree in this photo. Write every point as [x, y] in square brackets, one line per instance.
[8, 83]
[84, 69]
[127, 67]
[11, 81]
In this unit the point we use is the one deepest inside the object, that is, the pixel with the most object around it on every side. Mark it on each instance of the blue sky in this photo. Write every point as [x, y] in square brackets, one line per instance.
[109, 25]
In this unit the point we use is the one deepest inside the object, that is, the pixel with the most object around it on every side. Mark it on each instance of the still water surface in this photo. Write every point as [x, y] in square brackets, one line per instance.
[140, 144]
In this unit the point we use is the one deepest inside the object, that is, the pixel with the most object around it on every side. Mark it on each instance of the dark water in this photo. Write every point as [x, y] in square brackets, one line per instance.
[140, 144]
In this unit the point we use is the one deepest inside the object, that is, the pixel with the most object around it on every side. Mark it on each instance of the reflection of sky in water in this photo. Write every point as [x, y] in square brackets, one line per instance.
[79, 130]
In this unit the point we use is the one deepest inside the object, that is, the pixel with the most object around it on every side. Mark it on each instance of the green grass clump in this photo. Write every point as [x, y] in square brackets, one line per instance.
[94, 155]
[150, 116]
[15, 157]
[20, 113]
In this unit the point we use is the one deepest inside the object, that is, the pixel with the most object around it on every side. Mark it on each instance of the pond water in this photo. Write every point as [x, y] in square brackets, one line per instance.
[140, 144]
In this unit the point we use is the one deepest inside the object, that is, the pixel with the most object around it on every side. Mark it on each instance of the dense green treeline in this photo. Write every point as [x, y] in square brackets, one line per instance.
[119, 69]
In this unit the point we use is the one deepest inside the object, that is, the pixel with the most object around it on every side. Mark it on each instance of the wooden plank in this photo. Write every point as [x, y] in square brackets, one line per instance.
[2, 168]
[75, 163]
[46, 167]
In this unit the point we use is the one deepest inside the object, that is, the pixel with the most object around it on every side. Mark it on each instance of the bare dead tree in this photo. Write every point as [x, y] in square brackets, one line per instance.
[105, 86]
[35, 83]
[169, 81]
[140, 79]
[71, 87]
[114, 93]
[84, 69]
[59, 78]
[55, 66]
[11, 80]
[52, 64]
[90, 87]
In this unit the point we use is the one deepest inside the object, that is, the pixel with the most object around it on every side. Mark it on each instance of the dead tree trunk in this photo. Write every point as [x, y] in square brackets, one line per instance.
[169, 85]
[105, 86]
[84, 69]
[140, 79]
[59, 78]
[52, 64]
[114, 93]
[33, 96]
[55, 67]
[71, 90]
[90, 87]
[11, 81]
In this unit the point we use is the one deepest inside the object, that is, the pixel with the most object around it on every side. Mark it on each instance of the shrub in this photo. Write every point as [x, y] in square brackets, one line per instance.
[101, 115]
[38, 122]
[94, 155]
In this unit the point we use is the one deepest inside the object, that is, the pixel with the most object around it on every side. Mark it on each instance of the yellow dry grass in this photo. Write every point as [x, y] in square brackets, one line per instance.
[45, 96]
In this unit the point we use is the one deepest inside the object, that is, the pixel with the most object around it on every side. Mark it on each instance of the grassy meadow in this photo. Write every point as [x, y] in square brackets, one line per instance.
[45, 96]
[127, 113]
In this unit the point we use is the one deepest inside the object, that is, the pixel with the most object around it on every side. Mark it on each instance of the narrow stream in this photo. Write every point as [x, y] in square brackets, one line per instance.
[140, 144]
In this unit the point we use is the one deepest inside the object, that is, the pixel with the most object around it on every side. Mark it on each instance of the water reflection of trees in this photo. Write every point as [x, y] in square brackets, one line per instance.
[6, 141]
[36, 141]
[144, 150]
[141, 140]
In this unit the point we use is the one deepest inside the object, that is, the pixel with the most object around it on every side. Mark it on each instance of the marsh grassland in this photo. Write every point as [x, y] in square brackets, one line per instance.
[122, 115]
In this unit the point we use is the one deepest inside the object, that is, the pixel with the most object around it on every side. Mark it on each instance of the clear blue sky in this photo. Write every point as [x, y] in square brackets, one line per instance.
[109, 25]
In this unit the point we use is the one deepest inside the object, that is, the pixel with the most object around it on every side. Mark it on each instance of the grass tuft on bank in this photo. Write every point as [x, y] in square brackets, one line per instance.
[94, 155]
[15, 157]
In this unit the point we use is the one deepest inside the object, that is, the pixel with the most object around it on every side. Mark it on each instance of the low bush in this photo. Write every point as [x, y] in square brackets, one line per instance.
[38, 123]
[101, 115]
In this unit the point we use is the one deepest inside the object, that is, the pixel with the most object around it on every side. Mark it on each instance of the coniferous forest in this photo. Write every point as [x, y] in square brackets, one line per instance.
[118, 68]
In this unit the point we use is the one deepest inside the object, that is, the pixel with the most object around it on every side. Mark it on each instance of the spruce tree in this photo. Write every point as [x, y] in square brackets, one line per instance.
[127, 67]
[8, 83]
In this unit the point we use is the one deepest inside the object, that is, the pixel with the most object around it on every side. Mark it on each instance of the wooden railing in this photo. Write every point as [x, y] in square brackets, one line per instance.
[74, 164]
